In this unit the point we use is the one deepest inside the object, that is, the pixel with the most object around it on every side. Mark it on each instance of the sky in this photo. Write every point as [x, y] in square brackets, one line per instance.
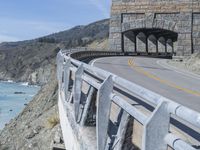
[29, 19]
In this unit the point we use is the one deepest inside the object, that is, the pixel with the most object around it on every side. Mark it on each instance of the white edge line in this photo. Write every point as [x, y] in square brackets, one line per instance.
[94, 61]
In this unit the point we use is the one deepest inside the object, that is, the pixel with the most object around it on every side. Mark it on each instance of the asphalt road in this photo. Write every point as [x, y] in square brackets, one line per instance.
[146, 72]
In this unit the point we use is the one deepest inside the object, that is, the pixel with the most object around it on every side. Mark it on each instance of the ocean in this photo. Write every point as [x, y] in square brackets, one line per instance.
[13, 99]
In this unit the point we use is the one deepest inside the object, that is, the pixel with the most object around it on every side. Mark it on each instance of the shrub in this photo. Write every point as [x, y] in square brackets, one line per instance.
[53, 120]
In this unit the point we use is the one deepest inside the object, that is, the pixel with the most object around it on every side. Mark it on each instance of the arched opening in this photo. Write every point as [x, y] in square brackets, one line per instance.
[149, 41]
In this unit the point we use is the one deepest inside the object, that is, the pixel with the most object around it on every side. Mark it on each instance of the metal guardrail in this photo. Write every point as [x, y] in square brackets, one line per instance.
[156, 134]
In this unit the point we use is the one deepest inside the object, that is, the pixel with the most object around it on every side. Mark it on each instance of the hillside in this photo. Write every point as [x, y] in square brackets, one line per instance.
[190, 64]
[32, 60]
[36, 127]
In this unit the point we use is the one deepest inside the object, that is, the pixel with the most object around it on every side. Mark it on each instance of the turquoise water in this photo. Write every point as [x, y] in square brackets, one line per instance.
[12, 104]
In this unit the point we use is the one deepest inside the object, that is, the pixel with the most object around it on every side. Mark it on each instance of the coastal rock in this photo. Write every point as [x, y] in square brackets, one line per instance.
[2, 56]
[19, 93]
[58, 139]
[31, 135]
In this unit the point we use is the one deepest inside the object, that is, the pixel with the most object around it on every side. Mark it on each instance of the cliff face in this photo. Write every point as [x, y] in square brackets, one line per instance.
[29, 61]
[34, 61]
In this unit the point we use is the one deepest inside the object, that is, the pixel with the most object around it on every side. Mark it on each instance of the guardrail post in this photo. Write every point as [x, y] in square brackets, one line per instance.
[118, 143]
[156, 128]
[60, 61]
[87, 105]
[103, 112]
[77, 90]
[66, 77]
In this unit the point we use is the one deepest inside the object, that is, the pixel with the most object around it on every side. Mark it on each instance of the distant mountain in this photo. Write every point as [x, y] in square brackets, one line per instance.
[32, 60]
[82, 35]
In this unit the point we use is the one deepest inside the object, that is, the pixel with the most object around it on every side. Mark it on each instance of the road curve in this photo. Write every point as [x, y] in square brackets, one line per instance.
[146, 72]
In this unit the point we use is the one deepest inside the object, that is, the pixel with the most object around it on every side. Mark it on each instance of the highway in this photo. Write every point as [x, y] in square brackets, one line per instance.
[147, 72]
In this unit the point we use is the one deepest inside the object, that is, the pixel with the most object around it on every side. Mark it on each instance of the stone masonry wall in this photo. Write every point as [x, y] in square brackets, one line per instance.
[196, 32]
[185, 13]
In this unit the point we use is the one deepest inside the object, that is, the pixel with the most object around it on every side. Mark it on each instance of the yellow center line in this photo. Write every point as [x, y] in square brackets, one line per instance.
[149, 75]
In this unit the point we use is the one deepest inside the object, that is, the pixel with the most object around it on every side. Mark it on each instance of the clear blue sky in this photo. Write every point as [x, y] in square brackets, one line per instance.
[27, 19]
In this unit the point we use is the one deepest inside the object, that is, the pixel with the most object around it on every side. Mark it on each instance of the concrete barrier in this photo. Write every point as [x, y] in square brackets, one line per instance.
[78, 83]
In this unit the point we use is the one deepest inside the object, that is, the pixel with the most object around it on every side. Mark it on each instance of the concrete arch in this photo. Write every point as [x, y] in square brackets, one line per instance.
[150, 35]
[149, 24]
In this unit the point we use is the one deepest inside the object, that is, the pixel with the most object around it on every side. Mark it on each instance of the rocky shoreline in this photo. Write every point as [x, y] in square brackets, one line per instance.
[32, 128]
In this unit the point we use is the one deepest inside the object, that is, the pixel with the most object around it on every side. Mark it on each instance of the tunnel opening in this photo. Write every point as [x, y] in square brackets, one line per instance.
[152, 41]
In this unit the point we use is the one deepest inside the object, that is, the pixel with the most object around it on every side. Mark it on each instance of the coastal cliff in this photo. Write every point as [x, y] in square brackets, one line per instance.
[30, 129]
[33, 61]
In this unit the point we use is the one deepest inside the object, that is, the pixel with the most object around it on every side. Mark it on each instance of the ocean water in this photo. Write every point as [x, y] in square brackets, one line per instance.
[11, 104]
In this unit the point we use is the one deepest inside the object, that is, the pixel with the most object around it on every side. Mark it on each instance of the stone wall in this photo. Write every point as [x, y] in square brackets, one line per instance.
[183, 16]
[196, 32]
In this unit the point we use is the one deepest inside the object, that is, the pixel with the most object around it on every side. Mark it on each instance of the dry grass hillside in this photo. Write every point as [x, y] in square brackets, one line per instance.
[32, 60]
[99, 44]
[191, 63]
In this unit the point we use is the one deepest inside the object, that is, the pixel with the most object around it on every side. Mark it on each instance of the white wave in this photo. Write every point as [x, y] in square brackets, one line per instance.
[10, 81]
[24, 83]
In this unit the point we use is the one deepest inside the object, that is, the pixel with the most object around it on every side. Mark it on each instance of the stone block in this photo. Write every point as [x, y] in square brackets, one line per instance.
[115, 29]
[181, 36]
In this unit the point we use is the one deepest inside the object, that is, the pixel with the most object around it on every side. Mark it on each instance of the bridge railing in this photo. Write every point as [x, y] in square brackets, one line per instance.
[114, 89]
